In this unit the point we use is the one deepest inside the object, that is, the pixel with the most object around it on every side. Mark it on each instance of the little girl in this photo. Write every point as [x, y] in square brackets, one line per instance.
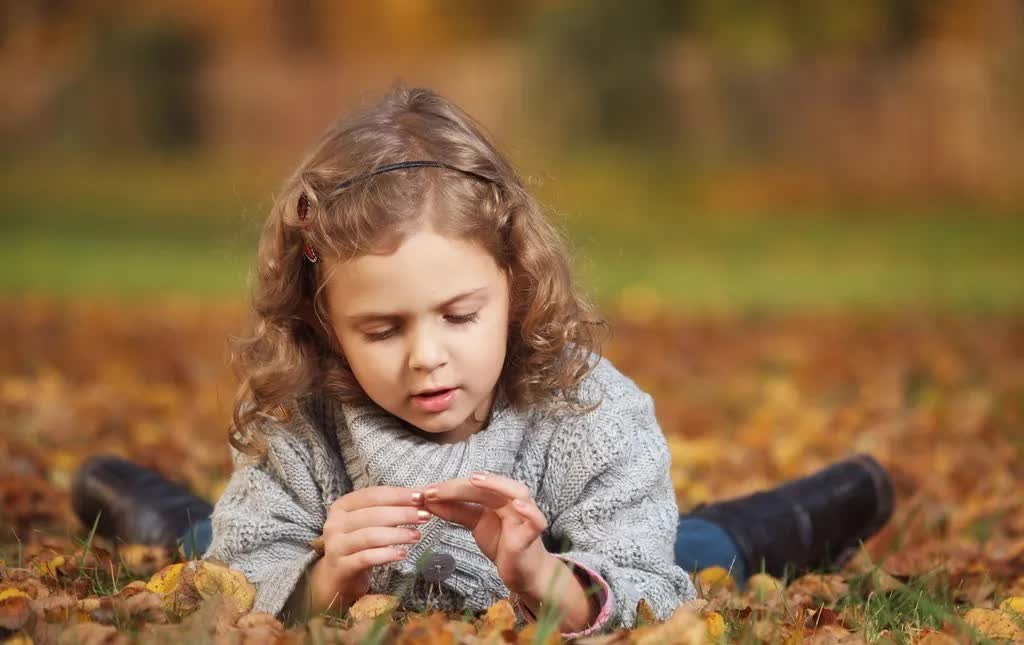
[424, 410]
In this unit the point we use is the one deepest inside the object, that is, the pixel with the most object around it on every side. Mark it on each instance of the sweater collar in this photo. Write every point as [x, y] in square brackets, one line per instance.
[379, 449]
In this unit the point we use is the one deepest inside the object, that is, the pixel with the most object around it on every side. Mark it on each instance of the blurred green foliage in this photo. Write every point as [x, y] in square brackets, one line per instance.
[138, 89]
[176, 229]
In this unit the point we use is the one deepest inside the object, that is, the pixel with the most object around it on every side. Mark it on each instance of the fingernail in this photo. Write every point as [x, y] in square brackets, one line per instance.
[478, 477]
[417, 497]
[423, 516]
[414, 534]
[431, 494]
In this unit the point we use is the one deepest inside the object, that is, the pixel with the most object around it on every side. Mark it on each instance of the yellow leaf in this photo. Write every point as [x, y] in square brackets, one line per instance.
[1012, 605]
[499, 617]
[715, 578]
[715, 625]
[49, 567]
[372, 605]
[165, 581]
[218, 580]
[763, 584]
[992, 623]
[13, 593]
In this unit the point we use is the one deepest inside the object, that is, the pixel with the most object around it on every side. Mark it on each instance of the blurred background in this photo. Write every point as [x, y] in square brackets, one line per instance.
[713, 155]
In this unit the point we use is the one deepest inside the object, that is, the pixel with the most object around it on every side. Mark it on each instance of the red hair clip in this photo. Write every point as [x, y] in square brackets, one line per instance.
[303, 211]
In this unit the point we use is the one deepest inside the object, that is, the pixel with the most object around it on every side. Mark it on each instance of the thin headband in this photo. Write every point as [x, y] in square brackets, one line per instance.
[303, 206]
[399, 166]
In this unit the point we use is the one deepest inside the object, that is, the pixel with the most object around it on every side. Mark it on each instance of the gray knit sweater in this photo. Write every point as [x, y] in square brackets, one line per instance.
[601, 478]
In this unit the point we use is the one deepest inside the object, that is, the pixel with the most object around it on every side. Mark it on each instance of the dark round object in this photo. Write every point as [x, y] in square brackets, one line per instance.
[438, 567]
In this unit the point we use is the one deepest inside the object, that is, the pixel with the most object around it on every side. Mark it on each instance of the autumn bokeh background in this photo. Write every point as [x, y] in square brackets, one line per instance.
[804, 220]
[716, 155]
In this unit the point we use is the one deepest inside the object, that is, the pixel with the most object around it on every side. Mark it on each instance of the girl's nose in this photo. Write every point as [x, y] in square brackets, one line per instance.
[426, 352]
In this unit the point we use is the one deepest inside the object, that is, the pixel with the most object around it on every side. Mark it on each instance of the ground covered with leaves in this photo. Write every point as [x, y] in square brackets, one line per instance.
[745, 402]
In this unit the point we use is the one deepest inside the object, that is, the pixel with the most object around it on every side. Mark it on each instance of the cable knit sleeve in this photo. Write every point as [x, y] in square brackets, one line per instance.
[269, 512]
[622, 524]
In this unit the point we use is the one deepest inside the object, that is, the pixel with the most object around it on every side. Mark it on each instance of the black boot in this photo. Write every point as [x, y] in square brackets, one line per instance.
[136, 505]
[819, 520]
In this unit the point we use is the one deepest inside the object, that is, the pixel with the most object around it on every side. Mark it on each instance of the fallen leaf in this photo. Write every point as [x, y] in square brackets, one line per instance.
[529, 636]
[143, 559]
[213, 579]
[165, 581]
[993, 623]
[14, 609]
[372, 605]
[763, 583]
[714, 578]
[58, 608]
[1012, 605]
[644, 614]
[682, 627]
[932, 637]
[499, 617]
[715, 625]
[92, 634]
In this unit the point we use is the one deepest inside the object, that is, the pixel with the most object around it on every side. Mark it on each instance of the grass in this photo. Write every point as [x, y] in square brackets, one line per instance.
[144, 229]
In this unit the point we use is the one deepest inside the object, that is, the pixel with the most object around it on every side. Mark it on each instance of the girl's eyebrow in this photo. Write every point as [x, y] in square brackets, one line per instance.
[364, 317]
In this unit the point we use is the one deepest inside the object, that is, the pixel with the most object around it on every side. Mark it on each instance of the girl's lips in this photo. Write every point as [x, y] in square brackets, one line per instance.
[436, 402]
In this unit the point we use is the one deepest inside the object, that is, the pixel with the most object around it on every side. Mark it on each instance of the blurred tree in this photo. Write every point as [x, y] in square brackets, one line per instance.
[137, 90]
[596, 69]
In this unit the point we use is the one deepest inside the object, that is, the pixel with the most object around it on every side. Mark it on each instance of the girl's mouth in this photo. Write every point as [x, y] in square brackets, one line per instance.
[438, 401]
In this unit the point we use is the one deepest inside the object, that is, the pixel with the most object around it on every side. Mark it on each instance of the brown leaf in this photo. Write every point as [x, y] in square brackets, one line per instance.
[644, 614]
[682, 627]
[143, 559]
[92, 634]
[15, 609]
[58, 608]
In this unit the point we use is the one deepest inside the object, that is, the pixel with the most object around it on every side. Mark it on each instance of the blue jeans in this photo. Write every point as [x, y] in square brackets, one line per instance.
[699, 544]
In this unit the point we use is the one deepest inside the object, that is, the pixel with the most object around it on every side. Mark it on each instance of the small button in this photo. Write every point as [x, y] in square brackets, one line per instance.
[438, 567]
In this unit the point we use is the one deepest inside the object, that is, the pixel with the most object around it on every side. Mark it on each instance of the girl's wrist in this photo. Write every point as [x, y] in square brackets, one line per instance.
[326, 589]
[557, 584]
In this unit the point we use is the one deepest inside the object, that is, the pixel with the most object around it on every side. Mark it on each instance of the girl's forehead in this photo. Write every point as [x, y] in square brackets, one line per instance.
[425, 269]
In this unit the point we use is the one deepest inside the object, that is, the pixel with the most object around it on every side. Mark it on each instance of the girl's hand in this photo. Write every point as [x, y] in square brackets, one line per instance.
[505, 522]
[360, 533]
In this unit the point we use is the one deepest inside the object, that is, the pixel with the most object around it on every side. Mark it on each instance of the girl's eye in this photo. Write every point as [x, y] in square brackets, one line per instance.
[382, 335]
[464, 319]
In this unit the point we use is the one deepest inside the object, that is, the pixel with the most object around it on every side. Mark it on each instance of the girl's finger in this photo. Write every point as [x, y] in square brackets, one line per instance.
[373, 537]
[460, 490]
[531, 514]
[500, 484]
[378, 496]
[463, 513]
[518, 532]
[380, 516]
[362, 560]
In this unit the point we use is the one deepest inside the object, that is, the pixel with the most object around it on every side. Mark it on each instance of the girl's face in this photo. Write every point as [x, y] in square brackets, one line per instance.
[431, 316]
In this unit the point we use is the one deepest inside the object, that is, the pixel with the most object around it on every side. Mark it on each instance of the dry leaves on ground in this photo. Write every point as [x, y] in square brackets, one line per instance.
[744, 402]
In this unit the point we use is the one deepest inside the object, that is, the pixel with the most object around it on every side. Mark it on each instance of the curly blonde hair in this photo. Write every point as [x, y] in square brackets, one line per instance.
[554, 331]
